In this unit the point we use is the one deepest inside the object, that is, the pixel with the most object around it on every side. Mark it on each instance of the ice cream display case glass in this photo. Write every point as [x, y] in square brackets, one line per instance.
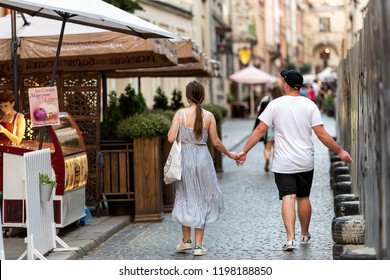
[69, 166]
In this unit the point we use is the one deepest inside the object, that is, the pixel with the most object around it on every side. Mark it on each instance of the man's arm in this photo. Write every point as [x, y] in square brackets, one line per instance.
[253, 139]
[329, 142]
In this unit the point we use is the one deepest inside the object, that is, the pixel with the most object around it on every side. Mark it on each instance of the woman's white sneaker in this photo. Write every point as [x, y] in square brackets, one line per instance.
[184, 245]
[199, 251]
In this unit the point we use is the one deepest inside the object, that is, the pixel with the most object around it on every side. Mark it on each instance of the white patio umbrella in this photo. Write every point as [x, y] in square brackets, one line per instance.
[329, 74]
[95, 13]
[38, 39]
[309, 78]
[252, 75]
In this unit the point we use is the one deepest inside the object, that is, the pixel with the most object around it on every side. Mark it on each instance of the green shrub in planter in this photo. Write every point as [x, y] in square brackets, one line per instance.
[169, 114]
[148, 124]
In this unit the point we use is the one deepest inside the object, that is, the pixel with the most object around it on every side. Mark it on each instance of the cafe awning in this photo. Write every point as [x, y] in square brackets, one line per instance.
[206, 67]
[83, 48]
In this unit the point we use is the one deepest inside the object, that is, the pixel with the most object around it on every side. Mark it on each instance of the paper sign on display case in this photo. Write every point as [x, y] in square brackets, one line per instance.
[44, 107]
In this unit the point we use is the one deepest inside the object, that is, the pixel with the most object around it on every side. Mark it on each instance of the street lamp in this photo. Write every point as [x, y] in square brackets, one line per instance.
[324, 55]
[245, 55]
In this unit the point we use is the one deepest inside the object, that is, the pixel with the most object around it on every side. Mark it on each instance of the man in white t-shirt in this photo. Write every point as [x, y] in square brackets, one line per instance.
[293, 117]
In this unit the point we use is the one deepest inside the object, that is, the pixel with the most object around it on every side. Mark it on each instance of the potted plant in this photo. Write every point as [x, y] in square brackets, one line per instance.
[147, 131]
[46, 186]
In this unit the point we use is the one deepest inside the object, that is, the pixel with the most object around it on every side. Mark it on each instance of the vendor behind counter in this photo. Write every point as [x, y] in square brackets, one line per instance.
[12, 124]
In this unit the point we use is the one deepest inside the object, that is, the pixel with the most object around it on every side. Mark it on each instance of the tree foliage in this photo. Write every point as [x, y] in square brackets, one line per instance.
[160, 100]
[176, 100]
[112, 116]
[131, 103]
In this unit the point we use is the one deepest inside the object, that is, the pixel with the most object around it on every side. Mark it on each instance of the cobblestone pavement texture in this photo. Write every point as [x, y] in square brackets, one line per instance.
[251, 228]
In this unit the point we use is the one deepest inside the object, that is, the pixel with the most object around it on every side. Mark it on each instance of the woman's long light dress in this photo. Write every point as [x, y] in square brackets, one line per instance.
[198, 199]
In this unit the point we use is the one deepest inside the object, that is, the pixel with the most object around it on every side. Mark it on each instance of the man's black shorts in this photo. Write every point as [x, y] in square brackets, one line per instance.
[296, 183]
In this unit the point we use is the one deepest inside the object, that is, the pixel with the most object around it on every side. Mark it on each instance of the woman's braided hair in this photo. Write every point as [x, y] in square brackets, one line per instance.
[195, 93]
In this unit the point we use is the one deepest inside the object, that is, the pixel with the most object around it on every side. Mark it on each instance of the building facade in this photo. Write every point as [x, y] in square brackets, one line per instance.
[333, 27]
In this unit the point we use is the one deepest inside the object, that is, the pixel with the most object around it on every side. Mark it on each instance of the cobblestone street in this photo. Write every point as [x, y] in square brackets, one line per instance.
[251, 227]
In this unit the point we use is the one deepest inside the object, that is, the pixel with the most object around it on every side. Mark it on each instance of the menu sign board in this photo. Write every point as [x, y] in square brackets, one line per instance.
[43, 106]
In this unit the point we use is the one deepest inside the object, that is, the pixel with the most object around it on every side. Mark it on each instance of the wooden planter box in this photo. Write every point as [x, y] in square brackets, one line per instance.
[148, 179]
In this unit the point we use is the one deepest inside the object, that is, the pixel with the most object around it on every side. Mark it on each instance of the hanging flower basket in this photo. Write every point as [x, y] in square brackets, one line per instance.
[46, 186]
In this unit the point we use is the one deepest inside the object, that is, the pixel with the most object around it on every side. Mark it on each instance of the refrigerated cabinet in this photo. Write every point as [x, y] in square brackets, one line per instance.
[69, 166]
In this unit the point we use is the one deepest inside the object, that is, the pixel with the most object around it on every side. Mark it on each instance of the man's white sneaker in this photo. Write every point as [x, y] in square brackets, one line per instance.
[289, 245]
[305, 239]
[184, 245]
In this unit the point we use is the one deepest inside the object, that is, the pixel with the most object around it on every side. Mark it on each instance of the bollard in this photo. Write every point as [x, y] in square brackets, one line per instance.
[348, 234]
[335, 164]
[340, 170]
[343, 178]
[347, 208]
[348, 229]
[342, 188]
[331, 171]
[343, 197]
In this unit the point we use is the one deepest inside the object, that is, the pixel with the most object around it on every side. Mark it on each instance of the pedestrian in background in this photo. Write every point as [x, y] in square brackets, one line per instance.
[294, 118]
[198, 198]
[311, 93]
[260, 109]
[269, 137]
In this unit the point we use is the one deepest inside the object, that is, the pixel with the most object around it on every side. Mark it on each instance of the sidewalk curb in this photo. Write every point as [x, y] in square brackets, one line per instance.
[88, 238]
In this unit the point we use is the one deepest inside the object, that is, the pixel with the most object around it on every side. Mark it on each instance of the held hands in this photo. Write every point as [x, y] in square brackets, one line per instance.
[241, 159]
[235, 157]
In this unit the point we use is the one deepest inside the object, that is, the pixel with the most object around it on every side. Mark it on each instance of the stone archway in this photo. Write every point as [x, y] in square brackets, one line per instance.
[325, 55]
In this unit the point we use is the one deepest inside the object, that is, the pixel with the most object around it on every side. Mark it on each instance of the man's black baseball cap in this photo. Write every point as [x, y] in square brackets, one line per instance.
[293, 78]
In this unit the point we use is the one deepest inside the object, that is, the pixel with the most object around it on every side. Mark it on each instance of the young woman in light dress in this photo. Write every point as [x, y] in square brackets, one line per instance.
[198, 198]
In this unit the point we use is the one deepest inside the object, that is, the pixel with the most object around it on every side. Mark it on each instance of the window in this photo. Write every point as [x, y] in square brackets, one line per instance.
[324, 24]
